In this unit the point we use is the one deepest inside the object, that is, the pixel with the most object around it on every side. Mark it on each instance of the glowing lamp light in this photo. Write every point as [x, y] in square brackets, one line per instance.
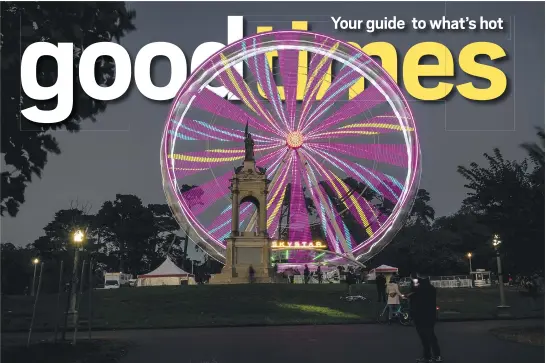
[78, 236]
[496, 240]
[469, 255]
[294, 139]
[35, 261]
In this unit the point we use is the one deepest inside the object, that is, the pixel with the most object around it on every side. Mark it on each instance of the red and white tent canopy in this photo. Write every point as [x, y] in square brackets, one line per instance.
[385, 269]
[167, 269]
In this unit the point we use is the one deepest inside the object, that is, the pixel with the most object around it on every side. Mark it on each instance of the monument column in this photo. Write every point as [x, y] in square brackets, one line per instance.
[262, 222]
[234, 212]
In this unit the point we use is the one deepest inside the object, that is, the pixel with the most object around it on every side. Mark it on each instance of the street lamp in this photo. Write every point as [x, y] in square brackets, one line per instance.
[496, 243]
[77, 237]
[469, 255]
[35, 263]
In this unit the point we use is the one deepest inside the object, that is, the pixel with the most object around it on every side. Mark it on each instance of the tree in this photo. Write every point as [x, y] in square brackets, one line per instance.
[127, 227]
[17, 269]
[505, 197]
[536, 150]
[25, 145]
[422, 212]
[193, 199]
[57, 238]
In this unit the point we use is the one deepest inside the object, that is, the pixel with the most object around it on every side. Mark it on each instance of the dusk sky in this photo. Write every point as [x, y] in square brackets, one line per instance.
[120, 152]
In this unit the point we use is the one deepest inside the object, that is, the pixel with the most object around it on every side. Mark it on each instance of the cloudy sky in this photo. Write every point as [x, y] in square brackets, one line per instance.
[120, 152]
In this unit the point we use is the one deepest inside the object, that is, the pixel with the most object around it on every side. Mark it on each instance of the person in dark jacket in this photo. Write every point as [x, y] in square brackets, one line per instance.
[423, 310]
[381, 284]
[350, 280]
[306, 274]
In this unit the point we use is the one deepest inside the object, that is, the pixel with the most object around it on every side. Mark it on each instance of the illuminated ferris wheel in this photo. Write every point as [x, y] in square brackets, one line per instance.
[343, 160]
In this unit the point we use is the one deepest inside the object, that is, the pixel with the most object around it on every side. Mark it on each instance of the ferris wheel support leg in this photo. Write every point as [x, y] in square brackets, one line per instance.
[329, 213]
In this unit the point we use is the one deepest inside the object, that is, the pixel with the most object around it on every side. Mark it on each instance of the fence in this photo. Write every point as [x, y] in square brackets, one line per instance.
[443, 284]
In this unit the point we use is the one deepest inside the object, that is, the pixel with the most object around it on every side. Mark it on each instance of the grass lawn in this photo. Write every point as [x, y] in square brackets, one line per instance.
[93, 351]
[224, 305]
[532, 335]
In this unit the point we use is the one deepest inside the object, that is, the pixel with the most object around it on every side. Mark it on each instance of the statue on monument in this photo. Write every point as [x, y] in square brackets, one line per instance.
[249, 145]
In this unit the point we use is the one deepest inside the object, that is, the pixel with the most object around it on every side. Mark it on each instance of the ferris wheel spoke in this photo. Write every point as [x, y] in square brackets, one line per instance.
[366, 215]
[320, 68]
[370, 98]
[220, 228]
[235, 83]
[209, 101]
[277, 195]
[330, 212]
[260, 68]
[217, 188]
[190, 163]
[326, 223]
[392, 154]
[339, 223]
[189, 129]
[376, 125]
[288, 64]
[381, 184]
[345, 79]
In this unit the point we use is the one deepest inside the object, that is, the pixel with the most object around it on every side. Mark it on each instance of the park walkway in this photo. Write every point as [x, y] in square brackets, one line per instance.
[461, 342]
[465, 342]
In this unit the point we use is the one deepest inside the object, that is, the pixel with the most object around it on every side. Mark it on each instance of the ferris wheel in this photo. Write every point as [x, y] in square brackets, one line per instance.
[343, 161]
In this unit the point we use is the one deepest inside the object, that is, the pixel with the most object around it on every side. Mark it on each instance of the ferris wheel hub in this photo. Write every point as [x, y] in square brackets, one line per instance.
[294, 139]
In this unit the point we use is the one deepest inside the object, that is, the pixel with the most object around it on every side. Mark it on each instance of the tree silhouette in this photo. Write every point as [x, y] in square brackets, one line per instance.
[536, 149]
[25, 145]
[505, 197]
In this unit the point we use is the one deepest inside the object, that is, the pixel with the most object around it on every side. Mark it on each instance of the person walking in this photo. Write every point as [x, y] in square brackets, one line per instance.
[319, 275]
[306, 274]
[251, 273]
[380, 284]
[423, 306]
[393, 297]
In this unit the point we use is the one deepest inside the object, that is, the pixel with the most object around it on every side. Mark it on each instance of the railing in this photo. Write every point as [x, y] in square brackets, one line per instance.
[443, 284]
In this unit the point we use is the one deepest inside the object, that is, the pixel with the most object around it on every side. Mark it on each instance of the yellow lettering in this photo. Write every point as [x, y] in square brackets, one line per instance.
[302, 63]
[413, 70]
[467, 62]
[389, 61]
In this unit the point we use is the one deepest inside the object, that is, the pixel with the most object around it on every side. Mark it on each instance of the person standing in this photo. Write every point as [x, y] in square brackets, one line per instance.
[423, 304]
[380, 284]
[319, 275]
[393, 297]
[350, 280]
[306, 274]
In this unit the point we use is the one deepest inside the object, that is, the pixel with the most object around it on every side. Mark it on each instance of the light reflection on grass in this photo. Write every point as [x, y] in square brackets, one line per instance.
[319, 310]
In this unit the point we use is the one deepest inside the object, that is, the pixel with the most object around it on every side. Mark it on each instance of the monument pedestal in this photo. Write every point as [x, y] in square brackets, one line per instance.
[247, 249]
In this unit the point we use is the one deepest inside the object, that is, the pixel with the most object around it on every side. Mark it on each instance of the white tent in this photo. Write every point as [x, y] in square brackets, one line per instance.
[166, 274]
[386, 270]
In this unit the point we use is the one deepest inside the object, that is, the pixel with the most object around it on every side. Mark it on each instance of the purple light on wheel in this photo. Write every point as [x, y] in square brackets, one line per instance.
[344, 167]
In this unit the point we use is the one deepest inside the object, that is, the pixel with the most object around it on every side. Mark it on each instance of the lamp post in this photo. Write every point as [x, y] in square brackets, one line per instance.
[77, 238]
[496, 243]
[469, 255]
[35, 263]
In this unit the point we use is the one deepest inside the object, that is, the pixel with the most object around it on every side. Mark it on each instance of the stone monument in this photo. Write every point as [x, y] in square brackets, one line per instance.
[247, 248]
